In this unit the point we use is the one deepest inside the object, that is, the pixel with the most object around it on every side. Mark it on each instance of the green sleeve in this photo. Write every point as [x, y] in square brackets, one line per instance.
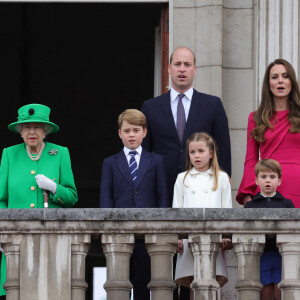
[66, 193]
[4, 180]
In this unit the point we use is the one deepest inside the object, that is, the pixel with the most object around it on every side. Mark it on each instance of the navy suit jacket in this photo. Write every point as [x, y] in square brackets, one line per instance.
[118, 190]
[206, 114]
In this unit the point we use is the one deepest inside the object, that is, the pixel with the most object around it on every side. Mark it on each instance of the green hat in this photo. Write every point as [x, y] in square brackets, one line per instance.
[34, 113]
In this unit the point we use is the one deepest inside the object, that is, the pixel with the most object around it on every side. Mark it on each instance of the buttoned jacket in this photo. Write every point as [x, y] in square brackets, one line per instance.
[18, 187]
[206, 114]
[196, 190]
[117, 189]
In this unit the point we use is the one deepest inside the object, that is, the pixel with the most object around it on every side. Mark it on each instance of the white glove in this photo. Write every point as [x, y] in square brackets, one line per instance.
[46, 183]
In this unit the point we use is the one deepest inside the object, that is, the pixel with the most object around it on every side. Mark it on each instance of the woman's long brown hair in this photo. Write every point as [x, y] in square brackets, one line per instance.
[266, 108]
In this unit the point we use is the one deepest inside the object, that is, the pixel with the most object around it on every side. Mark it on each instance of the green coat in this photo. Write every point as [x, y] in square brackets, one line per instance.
[18, 187]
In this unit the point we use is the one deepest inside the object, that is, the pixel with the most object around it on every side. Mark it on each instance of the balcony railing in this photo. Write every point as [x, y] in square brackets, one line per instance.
[46, 249]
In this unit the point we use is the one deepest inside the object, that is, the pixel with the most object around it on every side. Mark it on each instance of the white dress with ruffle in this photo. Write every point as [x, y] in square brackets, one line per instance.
[196, 192]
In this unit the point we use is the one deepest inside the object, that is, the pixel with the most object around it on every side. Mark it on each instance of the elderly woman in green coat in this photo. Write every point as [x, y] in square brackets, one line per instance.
[35, 169]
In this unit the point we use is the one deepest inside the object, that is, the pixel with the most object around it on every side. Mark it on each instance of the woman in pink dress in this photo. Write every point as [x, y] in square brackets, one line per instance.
[274, 132]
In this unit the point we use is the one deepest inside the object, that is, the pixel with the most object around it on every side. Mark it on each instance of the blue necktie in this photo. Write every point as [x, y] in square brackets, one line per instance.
[133, 168]
[181, 121]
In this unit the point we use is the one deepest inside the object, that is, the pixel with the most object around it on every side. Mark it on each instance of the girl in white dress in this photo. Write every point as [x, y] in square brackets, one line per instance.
[202, 185]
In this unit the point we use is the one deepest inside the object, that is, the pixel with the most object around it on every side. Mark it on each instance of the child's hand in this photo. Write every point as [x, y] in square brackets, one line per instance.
[180, 246]
[226, 244]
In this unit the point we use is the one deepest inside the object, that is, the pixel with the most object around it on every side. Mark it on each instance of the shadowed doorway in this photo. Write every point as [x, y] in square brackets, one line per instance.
[88, 62]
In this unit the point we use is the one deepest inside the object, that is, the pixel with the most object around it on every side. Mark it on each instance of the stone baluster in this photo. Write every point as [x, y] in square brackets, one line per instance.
[289, 247]
[205, 248]
[117, 249]
[248, 249]
[161, 249]
[79, 249]
[11, 248]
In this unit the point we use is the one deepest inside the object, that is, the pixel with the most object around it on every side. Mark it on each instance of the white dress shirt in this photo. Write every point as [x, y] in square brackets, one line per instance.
[186, 101]
[137, 156]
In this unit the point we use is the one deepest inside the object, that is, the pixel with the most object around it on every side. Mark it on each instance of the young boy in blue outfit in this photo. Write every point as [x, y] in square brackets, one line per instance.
[268, 178]
[134, 178]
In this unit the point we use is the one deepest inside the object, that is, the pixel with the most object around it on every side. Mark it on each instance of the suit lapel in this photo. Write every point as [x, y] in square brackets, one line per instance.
[195, 104]
[122, 165]
[144, 164]
[167, 111]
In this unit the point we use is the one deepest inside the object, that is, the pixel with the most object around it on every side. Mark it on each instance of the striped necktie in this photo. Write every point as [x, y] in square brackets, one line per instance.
[181, 121]
[133, 168]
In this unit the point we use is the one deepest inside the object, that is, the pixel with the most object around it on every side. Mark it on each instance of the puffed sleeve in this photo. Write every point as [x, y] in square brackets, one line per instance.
[4, 180]
[226, 192]
[248, 185]
[178, 193]
[66, 193]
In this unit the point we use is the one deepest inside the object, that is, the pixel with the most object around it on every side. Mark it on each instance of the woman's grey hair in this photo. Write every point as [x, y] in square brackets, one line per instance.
[47, 128]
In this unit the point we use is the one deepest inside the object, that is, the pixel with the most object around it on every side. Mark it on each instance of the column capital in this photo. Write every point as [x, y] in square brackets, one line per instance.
[117, 238]
[246, 238]
[287, 238]
[162, 239]
[205, 238]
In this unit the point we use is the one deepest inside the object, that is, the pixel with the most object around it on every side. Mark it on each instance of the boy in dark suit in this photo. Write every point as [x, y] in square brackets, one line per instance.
[134, 178]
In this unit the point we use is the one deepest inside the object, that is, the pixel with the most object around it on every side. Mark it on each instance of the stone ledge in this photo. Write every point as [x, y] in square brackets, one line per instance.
[150, 214]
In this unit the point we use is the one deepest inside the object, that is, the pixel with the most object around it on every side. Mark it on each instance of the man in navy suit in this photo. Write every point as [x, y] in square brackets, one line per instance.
[200, 112]
[134, 178]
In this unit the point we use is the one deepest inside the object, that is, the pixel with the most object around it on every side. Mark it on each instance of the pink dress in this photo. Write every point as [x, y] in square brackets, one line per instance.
[281, 145]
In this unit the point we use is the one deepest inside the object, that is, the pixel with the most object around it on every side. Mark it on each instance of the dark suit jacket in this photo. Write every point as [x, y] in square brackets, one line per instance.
[206, 115]
[118, 189]
[277, 201]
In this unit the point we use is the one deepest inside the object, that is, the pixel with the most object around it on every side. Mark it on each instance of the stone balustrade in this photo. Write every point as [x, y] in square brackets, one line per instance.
[46, 249]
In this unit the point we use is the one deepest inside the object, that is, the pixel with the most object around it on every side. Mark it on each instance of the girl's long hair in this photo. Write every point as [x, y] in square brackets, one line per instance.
[266, 108]
[214, 165]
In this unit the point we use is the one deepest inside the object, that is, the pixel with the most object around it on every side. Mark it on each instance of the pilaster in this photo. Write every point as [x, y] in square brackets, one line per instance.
[277, 35]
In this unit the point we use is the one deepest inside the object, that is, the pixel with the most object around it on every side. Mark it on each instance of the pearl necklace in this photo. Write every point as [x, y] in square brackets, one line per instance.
[35, 157]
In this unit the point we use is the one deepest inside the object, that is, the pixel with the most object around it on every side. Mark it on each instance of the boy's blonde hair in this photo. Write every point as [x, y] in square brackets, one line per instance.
[133, 117]
[210, 143]
[267, 165]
